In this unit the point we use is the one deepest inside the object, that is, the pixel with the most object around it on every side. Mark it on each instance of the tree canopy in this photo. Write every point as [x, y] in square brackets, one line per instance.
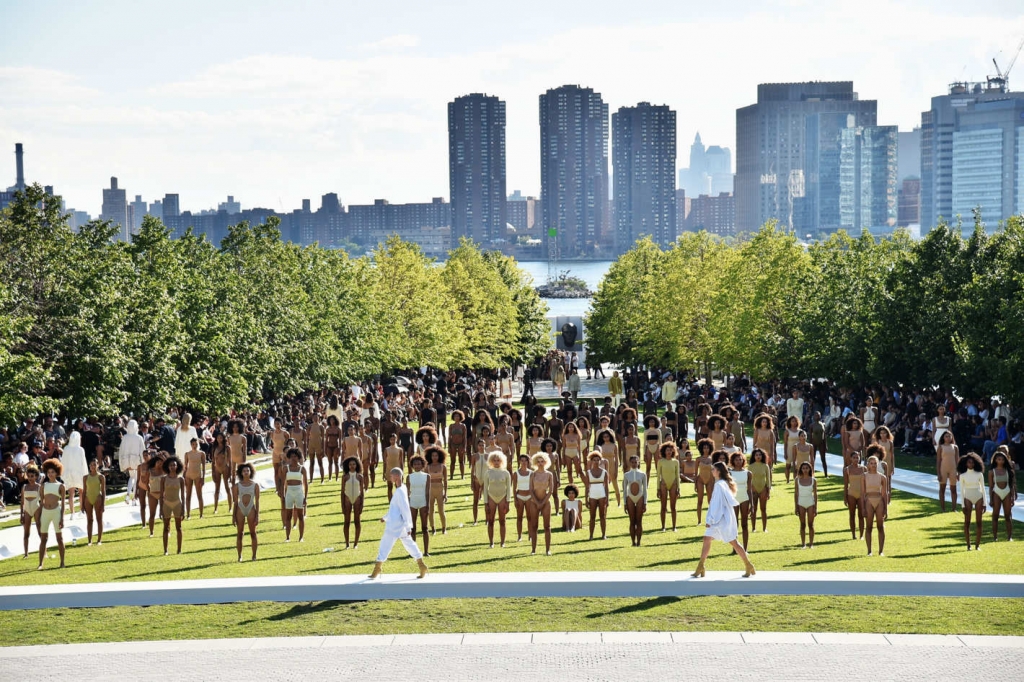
[93, 326]
[942, 311]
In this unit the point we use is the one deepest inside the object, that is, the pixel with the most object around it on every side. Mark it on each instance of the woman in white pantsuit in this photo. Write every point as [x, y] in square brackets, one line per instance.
[397, 526]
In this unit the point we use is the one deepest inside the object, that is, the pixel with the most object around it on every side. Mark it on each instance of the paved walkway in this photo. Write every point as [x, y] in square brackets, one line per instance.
[597, 584]
[491, 657]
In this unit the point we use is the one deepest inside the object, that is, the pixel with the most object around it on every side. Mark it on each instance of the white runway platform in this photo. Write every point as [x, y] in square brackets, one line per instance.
[635, 584]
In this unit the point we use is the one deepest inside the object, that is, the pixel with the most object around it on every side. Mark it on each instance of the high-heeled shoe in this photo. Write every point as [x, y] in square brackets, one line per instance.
[378, 568]
[699, 573]
[750, 569]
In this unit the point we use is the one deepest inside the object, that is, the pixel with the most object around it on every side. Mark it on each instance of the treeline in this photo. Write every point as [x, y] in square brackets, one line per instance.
[942, 311]
[89, 326]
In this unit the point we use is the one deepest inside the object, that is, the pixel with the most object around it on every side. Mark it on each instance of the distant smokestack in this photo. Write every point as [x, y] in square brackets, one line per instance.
[19, 156]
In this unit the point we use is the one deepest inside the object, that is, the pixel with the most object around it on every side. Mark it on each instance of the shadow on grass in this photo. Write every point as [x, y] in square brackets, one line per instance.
[645, 605]
[305, 609]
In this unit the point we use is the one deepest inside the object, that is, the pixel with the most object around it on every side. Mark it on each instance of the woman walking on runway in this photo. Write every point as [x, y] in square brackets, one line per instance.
[397, 524]
[721, 520]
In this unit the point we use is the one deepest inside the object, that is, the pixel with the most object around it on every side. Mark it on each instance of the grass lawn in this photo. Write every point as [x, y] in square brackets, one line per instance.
[919, 539]
[269, 619]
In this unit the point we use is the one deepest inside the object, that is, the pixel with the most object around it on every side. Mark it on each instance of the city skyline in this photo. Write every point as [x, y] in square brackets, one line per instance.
[287, 114]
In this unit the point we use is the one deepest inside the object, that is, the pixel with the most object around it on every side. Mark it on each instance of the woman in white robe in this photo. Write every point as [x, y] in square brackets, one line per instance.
[720, 523]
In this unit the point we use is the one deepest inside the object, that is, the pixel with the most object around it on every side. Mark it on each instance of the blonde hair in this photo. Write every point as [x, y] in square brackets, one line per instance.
[499, 457]
[539, 458]
[186, 421]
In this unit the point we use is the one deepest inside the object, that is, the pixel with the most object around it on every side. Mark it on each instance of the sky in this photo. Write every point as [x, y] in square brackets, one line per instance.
[275, 102]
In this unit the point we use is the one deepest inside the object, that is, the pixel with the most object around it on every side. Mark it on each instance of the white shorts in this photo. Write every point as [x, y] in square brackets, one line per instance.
[294, 498]
[49, 518]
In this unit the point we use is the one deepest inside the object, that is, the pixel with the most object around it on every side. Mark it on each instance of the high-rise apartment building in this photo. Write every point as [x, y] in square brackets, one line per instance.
[523, 213]
[643, 167]
[574, 171]
[171, 208]
[971, 155]
[115, 207]
[683, 206]
[716, 215]
[770, 140]
[476, 169]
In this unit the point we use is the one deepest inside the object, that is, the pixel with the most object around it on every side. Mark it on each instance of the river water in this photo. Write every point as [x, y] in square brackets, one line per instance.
[591, 272]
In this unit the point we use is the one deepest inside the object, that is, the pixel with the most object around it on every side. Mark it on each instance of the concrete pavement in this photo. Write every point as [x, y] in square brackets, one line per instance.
[491, 657]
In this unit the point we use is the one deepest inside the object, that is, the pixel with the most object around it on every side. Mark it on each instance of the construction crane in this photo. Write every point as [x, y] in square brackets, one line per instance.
[1002, 78]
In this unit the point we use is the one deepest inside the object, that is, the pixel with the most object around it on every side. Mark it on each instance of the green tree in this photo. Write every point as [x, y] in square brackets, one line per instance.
[418, 315]
[679, 310]
[533, 338]
[914, 340]
[23, 377]
[489, 322]
[846, 285]
[615, 323]
[757, 313]
[66, 295]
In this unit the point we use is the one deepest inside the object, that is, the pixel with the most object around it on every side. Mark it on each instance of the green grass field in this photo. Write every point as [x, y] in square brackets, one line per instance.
[919, 539]
[771, 614]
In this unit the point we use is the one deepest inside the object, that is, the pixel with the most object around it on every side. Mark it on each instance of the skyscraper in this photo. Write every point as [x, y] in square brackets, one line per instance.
[573, 171]
[138, 211]
[643, 163]
[972, 155]
[115, 207]
[171, 207]
[718, 166]
[710, 170]
[850, 176]
[909, 211]
[770, 139]
[476, 168]
[867, 178]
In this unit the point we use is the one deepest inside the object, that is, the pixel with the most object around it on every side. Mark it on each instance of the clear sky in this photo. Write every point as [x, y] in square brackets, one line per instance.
[274, 102]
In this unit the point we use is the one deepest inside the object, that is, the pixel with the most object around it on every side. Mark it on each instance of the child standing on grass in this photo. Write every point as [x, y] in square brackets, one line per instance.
[572, 520]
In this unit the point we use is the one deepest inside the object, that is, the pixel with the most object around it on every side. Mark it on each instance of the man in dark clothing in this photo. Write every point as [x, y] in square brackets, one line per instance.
[527, 383]
[163, 435]
[90, 442]
[428, 415]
